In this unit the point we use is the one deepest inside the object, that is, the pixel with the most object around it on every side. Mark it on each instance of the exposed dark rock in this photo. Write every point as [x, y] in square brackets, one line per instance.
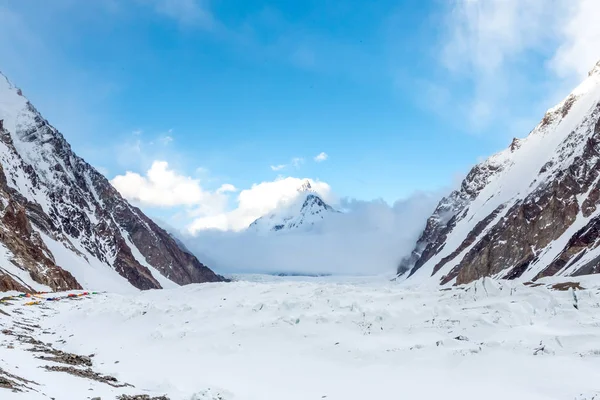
[87, 373]
[63, 357]
[14, 382]
[7, 283]
[29, 251]
[471, 237]
[564, 286]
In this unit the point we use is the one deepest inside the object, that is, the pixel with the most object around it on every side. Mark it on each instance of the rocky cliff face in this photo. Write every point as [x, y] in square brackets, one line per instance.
[63, 226]
[527, 212]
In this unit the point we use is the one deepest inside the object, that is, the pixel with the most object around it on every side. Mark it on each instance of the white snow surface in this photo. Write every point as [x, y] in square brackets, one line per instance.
[273, 339]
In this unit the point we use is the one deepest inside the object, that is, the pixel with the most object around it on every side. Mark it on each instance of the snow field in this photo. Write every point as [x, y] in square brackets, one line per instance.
[299, 340]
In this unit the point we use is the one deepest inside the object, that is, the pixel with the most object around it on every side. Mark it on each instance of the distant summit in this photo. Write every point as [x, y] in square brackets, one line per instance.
[303, 213]
[305, 187]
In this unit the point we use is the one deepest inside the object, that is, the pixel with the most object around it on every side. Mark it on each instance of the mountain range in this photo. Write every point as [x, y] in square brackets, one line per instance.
[527, 212]
[63, 225]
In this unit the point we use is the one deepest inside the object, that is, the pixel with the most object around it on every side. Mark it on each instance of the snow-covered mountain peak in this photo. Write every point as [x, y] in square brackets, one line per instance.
[305, 213]
[314, 204]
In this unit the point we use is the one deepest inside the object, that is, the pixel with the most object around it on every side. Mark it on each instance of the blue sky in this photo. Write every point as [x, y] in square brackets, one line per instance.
[402, 96]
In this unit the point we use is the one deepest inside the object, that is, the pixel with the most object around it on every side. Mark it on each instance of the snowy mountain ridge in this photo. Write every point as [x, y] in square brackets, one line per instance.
[303, 213]
[63, 226]
[527, 212]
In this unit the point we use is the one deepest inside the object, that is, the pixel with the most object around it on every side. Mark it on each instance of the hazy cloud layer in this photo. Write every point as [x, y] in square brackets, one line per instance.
[368, 238]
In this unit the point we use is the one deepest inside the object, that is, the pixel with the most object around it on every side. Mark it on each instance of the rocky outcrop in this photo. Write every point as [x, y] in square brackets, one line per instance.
[8, 282]
[527, 212]
[26, 246]
[50, 196]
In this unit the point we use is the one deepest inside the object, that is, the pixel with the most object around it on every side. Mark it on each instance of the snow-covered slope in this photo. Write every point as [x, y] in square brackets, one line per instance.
[528, 211]
[303, 213]
[63, 225]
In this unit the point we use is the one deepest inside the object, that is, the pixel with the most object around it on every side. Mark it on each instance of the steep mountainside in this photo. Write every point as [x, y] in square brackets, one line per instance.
[305, 212]
[527, 212]
[63, 226]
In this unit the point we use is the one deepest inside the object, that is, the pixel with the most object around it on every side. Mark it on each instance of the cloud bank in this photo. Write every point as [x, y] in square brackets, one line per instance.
[163, 187]
[368, 238]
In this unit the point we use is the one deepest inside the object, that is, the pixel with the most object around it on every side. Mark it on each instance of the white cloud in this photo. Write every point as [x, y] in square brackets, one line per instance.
[493, 44]
[369, 238]
[257, 201]
[485, 41]
[163, 187]
[321, 157]
[227, 187]
[278, 167]
[580, 36]
[486, 34]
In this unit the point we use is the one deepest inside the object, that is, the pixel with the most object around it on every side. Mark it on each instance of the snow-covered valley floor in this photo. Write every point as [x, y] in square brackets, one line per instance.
[315, 339]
